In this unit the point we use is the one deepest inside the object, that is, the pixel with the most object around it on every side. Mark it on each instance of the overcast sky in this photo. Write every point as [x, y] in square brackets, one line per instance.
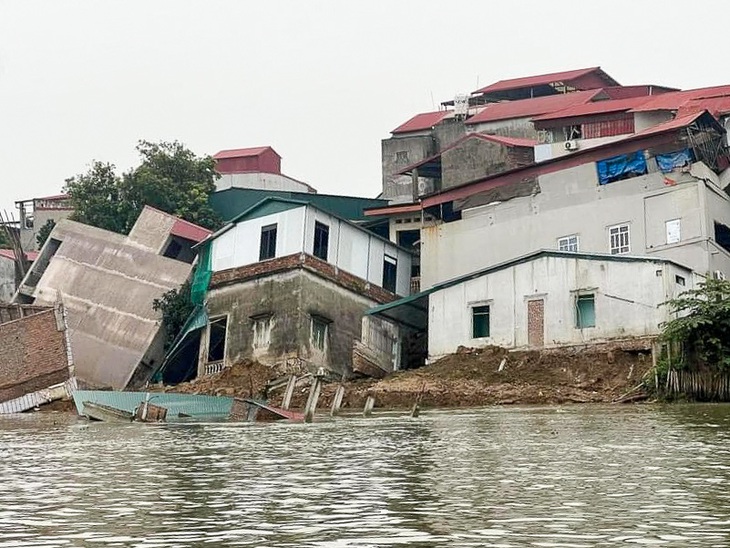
[321, 81]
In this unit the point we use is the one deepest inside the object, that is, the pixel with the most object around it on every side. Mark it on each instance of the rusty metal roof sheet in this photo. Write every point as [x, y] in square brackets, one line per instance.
[545, 79]
[242, 152]
[675, 100]
[420, 122]
[527, 108]
[596, 107]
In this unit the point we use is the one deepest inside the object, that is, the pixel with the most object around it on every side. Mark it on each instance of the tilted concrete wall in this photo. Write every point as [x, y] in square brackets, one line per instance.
[107, 284]
[33, 354]
[399, 188]
[7, 279]
[627, 298]
[472, 159]
[262, 181]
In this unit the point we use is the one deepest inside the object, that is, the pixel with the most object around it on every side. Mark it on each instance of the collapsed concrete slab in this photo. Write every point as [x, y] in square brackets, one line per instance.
[107, 282]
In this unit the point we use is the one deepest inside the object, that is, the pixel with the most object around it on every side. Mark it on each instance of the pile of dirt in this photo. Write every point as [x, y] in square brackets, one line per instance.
[492, 375]
[471, 377]
[245, 379]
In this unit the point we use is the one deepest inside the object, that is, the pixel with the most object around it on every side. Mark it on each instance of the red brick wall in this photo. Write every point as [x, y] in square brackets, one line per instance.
[307, 262]
[536, 322]
[32, 355]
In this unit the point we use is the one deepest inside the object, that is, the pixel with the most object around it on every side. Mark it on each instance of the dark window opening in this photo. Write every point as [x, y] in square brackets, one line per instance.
[401, 157]
[267, 250]
[319, 332]
[180, 250]
[679, 280]
[390, 273]
[217, 339]
[321, 240]
[573, 132]
[408, 239]
[480, 322]
[722, 236]
[585, 311]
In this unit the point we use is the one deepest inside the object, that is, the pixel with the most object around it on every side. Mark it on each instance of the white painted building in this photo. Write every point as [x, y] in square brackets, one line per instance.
[545, 299]
[279, 227]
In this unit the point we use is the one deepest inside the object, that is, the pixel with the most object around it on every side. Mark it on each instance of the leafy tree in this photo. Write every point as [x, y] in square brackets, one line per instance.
[44, 232]
[170, 177]
[702, 324]
[176, 307]
[96, 198]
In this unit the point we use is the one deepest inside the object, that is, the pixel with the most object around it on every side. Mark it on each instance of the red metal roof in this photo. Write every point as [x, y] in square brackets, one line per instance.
[189, 231]
[392, 209]
[596, 107]
[639, 90]
[10, 254]
[526, 108]
[717, 106]
[648, 137]
[242, 152]
[420, 122]
[675, 100]
[545, 79]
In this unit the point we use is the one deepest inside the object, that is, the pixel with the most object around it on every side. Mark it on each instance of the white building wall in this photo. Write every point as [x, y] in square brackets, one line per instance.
[350, 248]
[571, 202]
[261, 181]
[240, 245]
[627, 295]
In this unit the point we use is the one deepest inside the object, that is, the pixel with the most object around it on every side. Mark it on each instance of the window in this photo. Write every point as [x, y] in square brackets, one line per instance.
[619, 241]
[679, 280]
[217, 339]
[261, 331]
[319, 332]
[401, 157]
[674, 231]
[390, 273]
[480, 322]
[267, 250]
[585, 311]
[568, 243]
[722, 236]
[321, 240]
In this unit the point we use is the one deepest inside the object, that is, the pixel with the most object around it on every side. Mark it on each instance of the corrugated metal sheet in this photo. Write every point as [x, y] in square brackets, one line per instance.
[675, 100]
[189, 231]
[195, 406]
[420, 122]
[596, 107]
[608, 128]
[36, 399]
[545, 79]
[526, 108]
[242, 152]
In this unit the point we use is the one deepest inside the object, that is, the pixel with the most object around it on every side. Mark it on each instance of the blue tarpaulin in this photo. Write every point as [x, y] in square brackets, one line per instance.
[672, 160]
[621, 167]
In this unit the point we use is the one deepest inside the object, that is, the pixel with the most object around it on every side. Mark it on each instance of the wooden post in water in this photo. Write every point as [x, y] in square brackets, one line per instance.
[337, 400]
[312, 400]
[289, 392]
[369, 404]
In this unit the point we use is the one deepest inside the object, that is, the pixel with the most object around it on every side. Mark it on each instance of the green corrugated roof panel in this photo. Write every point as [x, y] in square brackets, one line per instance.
[195, 406]
[234, 201]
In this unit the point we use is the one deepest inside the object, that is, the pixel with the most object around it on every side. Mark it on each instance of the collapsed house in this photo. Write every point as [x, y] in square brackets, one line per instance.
[107, 283]
[287, 283]
[621, 206]
[36, 364]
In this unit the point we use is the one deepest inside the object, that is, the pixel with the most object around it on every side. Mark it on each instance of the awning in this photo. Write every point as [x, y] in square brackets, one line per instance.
[411, 311]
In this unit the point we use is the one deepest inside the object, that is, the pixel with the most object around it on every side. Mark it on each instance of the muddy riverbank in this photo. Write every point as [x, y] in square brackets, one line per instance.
[472, 377]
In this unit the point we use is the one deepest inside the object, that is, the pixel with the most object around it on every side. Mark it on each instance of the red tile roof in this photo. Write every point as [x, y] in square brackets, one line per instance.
[420, 122]
[10, 254]
[189, 231]
[242, 152]
[675, 100]
[541, 80]
[526, 108]
[596, 107]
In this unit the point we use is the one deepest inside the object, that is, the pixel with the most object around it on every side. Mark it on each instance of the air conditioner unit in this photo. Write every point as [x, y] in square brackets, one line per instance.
[571, 145]
[718, 275]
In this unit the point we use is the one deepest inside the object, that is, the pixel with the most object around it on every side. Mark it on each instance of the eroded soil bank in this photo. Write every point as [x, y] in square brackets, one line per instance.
[471, 377]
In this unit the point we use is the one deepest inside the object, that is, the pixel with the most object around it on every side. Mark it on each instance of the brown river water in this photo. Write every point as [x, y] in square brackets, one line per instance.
[574, 476]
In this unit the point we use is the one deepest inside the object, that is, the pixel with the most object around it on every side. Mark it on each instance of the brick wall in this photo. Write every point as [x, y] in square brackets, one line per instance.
[307, 262]
[32, 355]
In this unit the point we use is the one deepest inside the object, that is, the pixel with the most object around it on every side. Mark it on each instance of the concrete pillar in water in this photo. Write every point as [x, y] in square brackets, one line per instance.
[312, 400]
[289, 392]
[337, 401]
[369, 404]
